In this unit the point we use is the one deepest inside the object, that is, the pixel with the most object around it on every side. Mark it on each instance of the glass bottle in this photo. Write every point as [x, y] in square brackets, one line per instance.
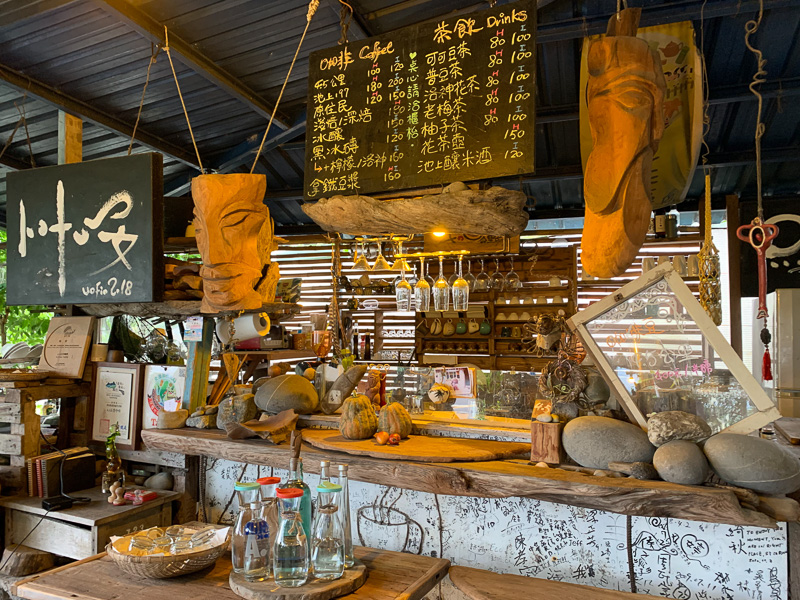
[460, 290]
[481, 280]
[441, 290]
[290, 563]
[324, 471]
[269, 512]
[295, 480]
[327, 545]
[256, 546]
[247, 493]
[403, 293]
[422, 291]
[344, 517]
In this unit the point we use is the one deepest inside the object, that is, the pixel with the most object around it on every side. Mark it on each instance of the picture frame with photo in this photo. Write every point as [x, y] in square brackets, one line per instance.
[460, 379]
[116, 399]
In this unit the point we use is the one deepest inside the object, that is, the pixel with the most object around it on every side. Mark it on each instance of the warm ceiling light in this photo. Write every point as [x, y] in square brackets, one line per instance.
[439, 233]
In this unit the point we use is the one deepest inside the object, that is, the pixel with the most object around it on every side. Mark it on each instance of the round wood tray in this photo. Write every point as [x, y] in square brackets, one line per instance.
[418, 447]
[315, 589]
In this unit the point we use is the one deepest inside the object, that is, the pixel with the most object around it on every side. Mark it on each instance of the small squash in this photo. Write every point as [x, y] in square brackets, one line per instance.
[394, 418]
[358, 420]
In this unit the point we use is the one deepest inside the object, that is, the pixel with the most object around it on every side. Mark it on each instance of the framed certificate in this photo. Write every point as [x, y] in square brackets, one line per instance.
[117, 392]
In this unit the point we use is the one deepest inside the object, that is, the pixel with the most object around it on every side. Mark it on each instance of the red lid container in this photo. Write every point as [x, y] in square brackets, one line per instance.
[268, 480]
[288, 492]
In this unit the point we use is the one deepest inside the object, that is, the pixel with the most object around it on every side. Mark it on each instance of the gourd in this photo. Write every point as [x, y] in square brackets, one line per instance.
[358, 420]
[394, 418]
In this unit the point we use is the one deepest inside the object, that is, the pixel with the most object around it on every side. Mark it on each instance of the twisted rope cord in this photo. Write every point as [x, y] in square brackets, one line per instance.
[750, 28]
[178, 85]
[21, 111]
[153, 56]
[345, 17]
[312, 8]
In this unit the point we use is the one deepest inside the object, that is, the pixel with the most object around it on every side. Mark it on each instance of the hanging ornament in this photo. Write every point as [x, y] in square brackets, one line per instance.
[708, 262]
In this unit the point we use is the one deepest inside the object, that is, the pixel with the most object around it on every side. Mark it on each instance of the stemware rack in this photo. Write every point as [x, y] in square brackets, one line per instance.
[535, 297]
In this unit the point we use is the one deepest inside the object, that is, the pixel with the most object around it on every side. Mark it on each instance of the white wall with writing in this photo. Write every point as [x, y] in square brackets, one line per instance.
[686, 560]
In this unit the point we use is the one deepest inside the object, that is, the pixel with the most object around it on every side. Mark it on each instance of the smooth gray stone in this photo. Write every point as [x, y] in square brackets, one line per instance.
[159, 481]
[169, 419]
[287, 392]
[204, 422]
[594, 442]
[236, 409]
[753, 463]
[681, 461]
[639, 470]
[671, 425]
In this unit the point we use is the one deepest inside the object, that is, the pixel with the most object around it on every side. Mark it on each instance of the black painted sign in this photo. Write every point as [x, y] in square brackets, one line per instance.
[87, 232]
[449, 100]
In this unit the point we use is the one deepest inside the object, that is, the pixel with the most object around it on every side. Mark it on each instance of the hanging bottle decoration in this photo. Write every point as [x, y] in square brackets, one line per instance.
[708, 262]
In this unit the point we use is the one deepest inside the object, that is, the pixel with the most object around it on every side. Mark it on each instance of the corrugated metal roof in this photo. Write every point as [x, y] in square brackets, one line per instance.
[88, 52]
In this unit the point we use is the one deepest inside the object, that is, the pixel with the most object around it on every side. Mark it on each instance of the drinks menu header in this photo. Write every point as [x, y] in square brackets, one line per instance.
[449, 100]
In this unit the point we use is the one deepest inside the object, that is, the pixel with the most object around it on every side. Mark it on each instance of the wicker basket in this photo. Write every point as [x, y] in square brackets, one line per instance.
[164, 567]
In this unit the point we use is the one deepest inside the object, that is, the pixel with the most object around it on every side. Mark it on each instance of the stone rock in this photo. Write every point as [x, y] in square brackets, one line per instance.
[599, 473]
[159, 481]
[211, 410]
[596, 391]
[172, 419]
[342, 388]
[197, 413]
[671, 425]
[753, 463]
[287, 392]
[236, 409]
[543, 465]
[594, 442]
[639, 470]
[681, 461]
[204, 422]
[565, 410]
[544, 418]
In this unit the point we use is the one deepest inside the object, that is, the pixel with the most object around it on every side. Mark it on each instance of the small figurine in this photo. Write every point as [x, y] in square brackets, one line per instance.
[117, 497]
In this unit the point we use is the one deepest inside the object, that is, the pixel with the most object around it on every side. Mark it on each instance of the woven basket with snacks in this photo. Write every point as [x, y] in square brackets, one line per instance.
[159, 553]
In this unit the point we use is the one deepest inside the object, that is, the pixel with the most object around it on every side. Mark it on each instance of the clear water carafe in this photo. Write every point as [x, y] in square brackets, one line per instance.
[247, 493]
[269, 512]
[327, 545]
[344, 517]
[295, 480]
[290, 557]
[256, 546]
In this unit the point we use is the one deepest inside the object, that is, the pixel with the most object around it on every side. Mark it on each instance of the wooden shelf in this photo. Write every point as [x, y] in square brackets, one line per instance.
[492, 479]
[180, 309]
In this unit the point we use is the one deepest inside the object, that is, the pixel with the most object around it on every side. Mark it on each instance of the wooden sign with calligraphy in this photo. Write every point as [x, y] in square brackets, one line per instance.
[448, 100]
[87, 232]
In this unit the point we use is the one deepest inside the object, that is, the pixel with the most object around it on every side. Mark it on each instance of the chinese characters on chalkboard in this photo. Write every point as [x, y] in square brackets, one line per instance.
[447, 101]
[86, 232]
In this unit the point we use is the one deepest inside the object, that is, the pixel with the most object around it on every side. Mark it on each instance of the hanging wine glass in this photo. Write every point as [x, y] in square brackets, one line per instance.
[452, 279]
[412, 279]
[422, 291]
[441, 290]
[400, 264]
[460, 291]
[361, 260]
[512, 279]
[381, 264]
[403, 293]
[496, 280]
[470, 277]
[481, 280]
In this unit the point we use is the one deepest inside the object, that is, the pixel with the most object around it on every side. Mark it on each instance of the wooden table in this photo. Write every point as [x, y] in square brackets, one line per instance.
[392, 575]
[478, 584]
[83, 530]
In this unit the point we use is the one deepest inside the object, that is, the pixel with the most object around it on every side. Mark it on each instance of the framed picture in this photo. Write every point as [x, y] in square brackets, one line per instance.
[117, 390]
[66, 346]
[460, 379]
[163, 389]
[659, 350]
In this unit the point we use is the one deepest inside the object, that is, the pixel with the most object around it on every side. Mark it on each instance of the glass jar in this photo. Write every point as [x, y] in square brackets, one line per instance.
[290, 560]
[256, 546]
[327, 545]
[247, 493]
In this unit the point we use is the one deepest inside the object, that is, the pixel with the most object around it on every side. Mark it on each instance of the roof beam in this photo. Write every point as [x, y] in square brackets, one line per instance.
[11, 162]
[17, 11]
[187, 53]
[87, 112]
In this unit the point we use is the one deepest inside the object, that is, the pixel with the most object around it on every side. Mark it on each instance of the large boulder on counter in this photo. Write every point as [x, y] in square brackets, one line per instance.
[593, 442]
[287, 392]
[663, 427]
[753, 463]
[681, 461]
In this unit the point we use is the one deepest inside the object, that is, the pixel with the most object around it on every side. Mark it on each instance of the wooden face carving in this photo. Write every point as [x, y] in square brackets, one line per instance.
[233, 235]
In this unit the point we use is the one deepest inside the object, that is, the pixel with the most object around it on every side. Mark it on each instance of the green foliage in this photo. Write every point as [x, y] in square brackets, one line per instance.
[20, 323]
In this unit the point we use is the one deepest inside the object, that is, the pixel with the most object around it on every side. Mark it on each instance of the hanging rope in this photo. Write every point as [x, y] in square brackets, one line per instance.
[312, 8]
[11, 137]
[154, 53]
[21, 111]
[178, 85]
[345, 17]
[758, 78]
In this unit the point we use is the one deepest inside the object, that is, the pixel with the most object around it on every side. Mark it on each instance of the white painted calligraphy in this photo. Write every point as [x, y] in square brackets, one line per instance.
[61, 228]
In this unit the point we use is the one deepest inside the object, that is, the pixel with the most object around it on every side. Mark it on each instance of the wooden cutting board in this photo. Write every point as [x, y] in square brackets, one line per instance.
[789, 427]
[315, 589]
[419, 448]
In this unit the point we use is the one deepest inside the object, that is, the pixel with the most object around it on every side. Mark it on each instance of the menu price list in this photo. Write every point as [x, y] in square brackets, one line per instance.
[450, 100]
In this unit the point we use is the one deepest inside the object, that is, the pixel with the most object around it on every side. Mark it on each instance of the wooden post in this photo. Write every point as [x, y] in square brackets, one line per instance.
[734, 271]
[70, 138]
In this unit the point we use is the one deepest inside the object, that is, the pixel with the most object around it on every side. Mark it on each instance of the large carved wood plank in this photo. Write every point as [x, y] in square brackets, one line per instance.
[496, 211]
[494, 479]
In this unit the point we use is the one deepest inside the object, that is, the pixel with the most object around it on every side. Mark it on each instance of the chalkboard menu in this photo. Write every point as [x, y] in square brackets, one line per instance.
[86, 232]
[448, 100]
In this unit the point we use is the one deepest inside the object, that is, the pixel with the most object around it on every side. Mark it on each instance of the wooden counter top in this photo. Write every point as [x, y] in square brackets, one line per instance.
[495, 479]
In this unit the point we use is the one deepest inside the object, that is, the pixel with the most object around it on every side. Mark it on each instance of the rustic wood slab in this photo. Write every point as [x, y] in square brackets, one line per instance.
[495, 479]
[178, 309]
[392, 576]
[22, 375]
[316, 589]
[417, 447]
[478, 584]
[790, 428]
